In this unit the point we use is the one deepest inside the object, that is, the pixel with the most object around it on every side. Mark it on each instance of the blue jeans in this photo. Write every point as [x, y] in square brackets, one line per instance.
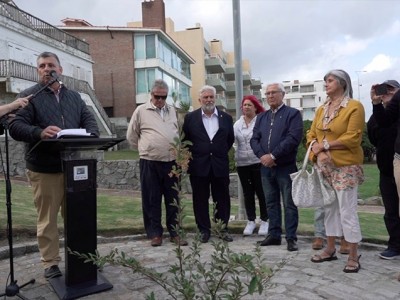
[319, 222]
[276, 182]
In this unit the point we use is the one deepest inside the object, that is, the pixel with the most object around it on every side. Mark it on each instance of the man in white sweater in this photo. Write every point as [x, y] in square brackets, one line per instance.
[151, 130]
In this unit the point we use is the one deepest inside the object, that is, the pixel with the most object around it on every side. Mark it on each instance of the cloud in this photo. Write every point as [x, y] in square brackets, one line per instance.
[380, 63]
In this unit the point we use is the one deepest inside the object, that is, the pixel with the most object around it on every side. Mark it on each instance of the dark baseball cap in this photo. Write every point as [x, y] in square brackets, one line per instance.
[392, 83]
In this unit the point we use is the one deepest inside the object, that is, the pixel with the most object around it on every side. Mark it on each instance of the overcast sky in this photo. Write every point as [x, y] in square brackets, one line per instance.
[283, 39]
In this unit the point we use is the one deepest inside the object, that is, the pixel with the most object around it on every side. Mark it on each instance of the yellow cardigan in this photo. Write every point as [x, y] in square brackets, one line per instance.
[347, 127]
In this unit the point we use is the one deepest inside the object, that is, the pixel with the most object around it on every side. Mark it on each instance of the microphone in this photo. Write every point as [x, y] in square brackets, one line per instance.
[53, 74]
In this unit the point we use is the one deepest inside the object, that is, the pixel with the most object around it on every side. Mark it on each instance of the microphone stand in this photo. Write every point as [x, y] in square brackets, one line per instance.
[13, 288]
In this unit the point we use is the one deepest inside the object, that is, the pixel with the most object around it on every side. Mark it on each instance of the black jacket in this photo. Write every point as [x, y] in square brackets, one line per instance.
[383, 139]
[206, 154]
[386, 117]
[42, 111]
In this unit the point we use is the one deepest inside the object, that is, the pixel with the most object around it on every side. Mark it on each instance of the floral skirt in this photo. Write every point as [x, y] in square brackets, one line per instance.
[343, 178]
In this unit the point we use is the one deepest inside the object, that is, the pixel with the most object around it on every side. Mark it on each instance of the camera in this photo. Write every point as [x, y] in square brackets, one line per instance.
[381, 89]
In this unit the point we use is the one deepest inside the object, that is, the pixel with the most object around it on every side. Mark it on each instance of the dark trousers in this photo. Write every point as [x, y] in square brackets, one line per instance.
[156, 183]
[250, 179]
[390, 199]
[201, 193]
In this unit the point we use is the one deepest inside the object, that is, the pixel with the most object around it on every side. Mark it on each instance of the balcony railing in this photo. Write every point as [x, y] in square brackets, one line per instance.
[13, 13]
[11, 68]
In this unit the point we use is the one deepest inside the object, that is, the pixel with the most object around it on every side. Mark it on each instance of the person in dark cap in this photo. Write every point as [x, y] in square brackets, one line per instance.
[384, 141]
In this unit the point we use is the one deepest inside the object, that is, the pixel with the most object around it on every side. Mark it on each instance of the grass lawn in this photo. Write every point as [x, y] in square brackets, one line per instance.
[122, 214]
[121, 155]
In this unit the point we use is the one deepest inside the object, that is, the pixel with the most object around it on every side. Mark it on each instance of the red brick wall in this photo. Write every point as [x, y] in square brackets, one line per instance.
[113, 69]
[153, 14]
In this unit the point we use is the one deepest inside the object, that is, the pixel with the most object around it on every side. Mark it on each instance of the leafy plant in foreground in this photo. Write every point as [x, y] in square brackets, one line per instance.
[224, 275]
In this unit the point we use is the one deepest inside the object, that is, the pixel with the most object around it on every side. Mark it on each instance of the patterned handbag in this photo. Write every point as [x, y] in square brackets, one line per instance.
[306, 186]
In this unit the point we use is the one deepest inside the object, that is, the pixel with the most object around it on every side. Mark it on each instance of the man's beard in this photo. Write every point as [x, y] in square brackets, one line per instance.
[208, 108]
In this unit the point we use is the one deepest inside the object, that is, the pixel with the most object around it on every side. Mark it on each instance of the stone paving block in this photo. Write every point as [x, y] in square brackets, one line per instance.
[294, 277]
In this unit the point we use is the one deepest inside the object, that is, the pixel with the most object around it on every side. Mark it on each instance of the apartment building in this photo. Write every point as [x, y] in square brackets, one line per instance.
[213, 64]
[127, 60]
[306, 96]
[151, 48]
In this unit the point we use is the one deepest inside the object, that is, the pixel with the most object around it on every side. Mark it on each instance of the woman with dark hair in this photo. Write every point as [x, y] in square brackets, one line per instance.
[336, 134]
[248, 165]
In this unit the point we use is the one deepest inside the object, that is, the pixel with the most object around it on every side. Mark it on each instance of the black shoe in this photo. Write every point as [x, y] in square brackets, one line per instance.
[52, 272]
[226, 237]
[204, 237]
[269, 241]
[292, 245]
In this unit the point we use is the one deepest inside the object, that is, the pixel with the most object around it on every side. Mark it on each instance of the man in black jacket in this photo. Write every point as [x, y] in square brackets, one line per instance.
[51, 110]
[383, 139]
[211, 133]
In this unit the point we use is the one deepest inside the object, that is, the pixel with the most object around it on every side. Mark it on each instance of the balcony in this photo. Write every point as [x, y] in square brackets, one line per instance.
[257, 93]
[214, 64]
[246, 78]
[256, 84]
[230, 88]
[217, 81]
[220, 101]
[15, 14]
[230, 73]
[231, 105]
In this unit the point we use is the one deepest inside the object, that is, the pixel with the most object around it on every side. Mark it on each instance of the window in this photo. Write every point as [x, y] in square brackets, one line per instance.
[306, 89]
[141, 84]
[150, 46]
[139, 47]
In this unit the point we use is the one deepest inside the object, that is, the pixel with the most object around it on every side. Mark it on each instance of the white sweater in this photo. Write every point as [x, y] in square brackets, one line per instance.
[244, 155]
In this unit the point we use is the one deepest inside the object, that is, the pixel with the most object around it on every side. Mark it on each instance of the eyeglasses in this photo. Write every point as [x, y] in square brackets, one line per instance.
[160, 97]
[272, 93]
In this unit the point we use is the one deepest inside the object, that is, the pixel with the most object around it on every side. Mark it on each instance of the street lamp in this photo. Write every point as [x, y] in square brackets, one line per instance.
[358, 82]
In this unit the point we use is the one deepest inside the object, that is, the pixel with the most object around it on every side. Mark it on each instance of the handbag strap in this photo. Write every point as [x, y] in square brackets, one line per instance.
[307, 155]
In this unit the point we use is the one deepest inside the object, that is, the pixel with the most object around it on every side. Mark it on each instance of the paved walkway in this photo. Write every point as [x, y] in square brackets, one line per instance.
[295, 277]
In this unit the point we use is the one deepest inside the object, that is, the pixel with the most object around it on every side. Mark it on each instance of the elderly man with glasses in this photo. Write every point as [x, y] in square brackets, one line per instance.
[152, 129]
[276, 138]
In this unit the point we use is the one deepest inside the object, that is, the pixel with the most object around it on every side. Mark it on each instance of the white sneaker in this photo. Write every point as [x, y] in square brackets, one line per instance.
[251, 225]
[263, 230]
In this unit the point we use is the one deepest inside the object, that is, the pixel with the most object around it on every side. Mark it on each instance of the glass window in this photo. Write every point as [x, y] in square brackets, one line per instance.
[150, 46]
[141, 84]
[139, 47]
[151, 76]
[306, 88]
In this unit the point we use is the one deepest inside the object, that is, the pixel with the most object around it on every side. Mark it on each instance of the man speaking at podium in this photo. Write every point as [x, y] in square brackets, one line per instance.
[52, 107]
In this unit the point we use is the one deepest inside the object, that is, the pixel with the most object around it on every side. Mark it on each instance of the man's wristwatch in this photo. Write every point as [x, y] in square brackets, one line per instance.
[326, 145]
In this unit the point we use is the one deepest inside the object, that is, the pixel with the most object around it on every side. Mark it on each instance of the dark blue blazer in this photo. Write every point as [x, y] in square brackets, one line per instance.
[206, 154]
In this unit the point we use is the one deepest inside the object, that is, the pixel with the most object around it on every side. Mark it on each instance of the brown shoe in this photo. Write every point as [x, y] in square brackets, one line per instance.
[156, 241]
[178, 241]
[318, 243]
[344, 246]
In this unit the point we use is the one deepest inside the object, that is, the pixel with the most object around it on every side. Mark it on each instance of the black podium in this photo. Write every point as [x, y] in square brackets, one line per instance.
[79, 157]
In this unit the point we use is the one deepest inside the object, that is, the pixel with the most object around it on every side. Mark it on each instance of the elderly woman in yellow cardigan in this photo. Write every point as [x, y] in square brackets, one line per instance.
[336, 134]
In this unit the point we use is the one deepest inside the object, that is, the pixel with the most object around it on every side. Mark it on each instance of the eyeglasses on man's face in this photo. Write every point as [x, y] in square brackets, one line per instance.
[160, 97]
[272, 93]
